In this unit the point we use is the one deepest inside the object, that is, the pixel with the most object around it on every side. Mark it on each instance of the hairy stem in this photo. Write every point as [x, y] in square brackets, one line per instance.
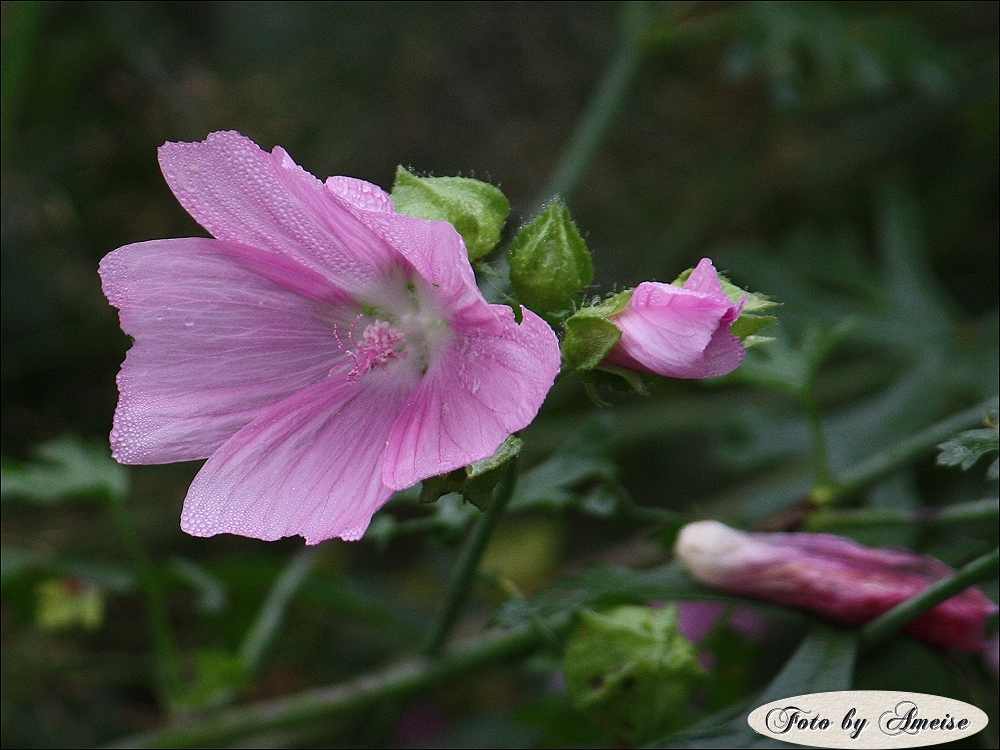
[981, 569]
[468, 562]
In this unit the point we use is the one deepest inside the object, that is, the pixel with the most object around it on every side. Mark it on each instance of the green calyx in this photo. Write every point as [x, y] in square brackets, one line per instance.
[550, 262]
[632, 670]
[590, 335]
[476, 481]
[476, 209]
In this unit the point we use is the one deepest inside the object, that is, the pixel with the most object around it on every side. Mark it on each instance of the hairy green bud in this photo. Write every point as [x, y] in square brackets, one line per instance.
[476, 209]
[549, 261]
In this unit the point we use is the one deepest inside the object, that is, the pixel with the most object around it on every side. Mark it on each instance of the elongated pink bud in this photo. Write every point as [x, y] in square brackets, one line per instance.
[833, 577]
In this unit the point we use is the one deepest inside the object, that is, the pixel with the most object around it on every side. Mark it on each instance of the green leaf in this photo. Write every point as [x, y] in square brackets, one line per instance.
[632, 669]
[823, 662]
[476, 209]
[578, 468]
[62, 469]
[549, 261]
[966, 448]
[747, 325]
[590, 334]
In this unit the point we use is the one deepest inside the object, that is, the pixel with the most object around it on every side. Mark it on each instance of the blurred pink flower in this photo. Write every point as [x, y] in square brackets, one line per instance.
[322, 350]
[833, 577]
[680, 332]
[698, 618]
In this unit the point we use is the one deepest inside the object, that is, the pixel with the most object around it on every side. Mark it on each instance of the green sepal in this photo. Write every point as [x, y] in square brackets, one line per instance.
[476, 209]
[632, 670]
[590, 335]
[588, 341]
[549, 261]
[748, 325]
[751, 341]
[476, 481]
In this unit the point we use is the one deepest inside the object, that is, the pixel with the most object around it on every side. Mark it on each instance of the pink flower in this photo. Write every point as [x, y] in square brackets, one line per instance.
[322, 350]
[833, 577]
[680, 332]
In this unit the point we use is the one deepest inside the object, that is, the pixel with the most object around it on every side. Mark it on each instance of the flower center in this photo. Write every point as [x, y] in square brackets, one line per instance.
[380, 344]
[406, 323]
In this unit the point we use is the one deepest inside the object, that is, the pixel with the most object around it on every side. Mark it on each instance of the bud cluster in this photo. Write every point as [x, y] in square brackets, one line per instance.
[698, 326]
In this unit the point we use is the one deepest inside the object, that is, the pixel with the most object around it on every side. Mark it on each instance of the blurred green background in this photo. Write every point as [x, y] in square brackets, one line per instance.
[841, 157]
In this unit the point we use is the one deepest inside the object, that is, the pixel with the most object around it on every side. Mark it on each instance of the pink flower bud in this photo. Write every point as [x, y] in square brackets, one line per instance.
[680, 331]
[833, 577]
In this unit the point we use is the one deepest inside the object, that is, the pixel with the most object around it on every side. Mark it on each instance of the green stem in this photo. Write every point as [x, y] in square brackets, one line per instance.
[824, 483]
[271, 614]
[168, 663]
[981, 569]
[397, 681]
[603, 105]
[987, 509]
[882, 464]
[468, 562]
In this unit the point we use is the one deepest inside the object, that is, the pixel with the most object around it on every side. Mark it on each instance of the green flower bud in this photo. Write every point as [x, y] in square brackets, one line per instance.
[549, 261]
[633, 670]
[476, 209]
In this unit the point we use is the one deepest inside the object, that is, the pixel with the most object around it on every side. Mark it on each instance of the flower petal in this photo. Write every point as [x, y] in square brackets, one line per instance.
[241, 193]
[667, 330]
[360, 194]
[477, 391]
[311, 465]
[437, 253]
[705, 279]
[222, 331]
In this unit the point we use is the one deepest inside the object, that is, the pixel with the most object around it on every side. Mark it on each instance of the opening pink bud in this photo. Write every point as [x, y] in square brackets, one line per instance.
[680, 332]
[833, 577]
